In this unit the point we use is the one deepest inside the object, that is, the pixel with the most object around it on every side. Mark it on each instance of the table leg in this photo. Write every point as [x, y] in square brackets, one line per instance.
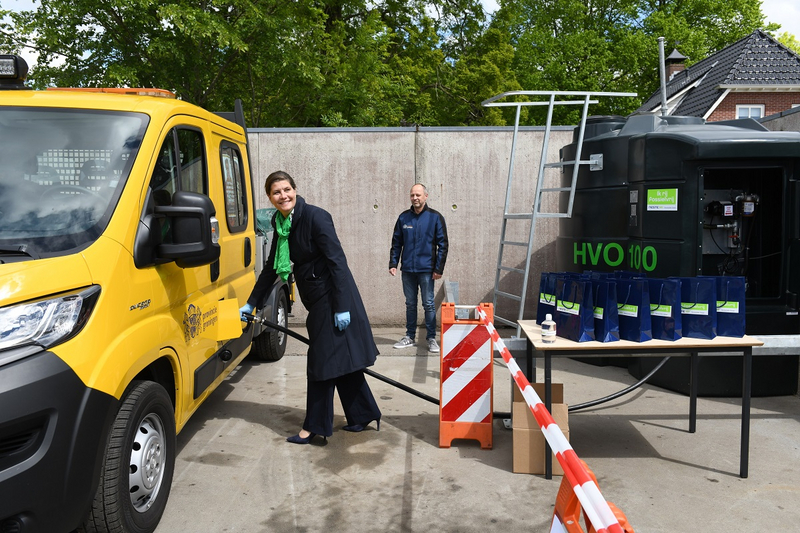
[693, 379]
[548, 403]
[529, 360]
[747, 381]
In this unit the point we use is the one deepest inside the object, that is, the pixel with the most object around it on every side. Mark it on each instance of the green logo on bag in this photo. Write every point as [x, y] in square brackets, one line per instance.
[690, 308]
[598, 313]
[546, 298]
[661, 310]
[568, 307]
[628, 310]
[728, 307]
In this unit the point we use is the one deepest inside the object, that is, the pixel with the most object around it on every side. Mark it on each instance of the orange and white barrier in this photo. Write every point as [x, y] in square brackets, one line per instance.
[580, 483]
[467, 378]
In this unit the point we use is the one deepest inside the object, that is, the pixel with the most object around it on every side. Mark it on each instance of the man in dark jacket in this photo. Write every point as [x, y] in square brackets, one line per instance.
[419, 245]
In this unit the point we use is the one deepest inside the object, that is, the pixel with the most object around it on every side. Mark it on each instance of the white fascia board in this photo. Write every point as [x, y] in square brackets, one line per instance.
[762, 88]
[716, 104]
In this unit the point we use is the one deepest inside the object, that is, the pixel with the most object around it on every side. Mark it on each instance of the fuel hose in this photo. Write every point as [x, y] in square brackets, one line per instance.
[367, 371]
[431, 399]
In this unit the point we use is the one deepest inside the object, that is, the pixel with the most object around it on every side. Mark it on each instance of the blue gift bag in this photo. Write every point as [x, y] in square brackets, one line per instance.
[699, 307]
[633, 308]
[665, 308]
[547, 296]
[730, 306]
[606, 319]
[574, 309]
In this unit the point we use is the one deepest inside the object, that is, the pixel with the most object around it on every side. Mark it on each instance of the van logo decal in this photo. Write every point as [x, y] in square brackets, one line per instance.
[141, 305]
[192, 326]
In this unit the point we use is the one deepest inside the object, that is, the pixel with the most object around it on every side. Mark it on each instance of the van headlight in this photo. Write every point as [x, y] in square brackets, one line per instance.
[47, 321]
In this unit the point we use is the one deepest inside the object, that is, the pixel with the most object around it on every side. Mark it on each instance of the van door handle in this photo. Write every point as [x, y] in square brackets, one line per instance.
[248, 251]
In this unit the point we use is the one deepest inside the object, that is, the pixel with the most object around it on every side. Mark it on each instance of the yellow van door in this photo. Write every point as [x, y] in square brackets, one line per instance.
[232, 193]
[189, 295]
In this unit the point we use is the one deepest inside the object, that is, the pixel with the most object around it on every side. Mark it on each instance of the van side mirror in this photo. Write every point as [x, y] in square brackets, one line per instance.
[193, 230]
[193, 233]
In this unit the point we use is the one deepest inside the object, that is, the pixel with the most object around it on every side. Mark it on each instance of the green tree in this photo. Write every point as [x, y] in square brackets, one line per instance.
[789, 41]
[372, 62]
[300, 63]
[611, 45]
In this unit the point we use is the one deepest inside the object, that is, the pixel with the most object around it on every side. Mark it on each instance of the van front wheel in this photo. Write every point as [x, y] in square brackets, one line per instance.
[271, 344]
[138, 464]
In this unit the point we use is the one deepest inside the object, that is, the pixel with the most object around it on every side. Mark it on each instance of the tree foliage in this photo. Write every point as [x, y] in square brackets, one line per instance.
[612, 45]
[789, 41]
[371, 62]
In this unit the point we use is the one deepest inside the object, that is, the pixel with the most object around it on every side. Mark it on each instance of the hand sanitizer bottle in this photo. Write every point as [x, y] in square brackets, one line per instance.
[548, 329]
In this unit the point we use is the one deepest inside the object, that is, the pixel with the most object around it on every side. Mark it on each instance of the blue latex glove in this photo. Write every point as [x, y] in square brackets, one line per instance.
[246, 308]
[341, 320]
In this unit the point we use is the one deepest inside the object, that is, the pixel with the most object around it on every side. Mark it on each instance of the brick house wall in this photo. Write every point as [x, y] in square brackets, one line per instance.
[774, 102]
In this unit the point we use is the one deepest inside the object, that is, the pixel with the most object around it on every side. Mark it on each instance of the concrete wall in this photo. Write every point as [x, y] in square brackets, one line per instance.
[363, 177]
[788, 120]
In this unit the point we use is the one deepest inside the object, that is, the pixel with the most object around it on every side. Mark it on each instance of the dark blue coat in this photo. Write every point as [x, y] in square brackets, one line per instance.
[326, 286]
[419, 241]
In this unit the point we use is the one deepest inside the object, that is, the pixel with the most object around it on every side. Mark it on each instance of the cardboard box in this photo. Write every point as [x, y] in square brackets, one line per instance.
[528, 446]
[521, 416]
[528, 440]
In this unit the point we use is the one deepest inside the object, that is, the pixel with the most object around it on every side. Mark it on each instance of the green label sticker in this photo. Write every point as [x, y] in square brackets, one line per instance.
[568, 307]
[628, 310]
[728, 307]
[598, 313]
[690, 308]
[661, 310]
[546, 298]
[662, 199]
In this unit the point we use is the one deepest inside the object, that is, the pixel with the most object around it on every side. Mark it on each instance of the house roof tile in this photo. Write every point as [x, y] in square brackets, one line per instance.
[755, 60]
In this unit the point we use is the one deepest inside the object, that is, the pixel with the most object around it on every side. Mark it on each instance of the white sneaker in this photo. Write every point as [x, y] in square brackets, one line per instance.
[405, 342]
[432, 346]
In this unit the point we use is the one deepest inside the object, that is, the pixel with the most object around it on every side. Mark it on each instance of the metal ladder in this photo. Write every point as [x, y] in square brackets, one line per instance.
[595, 162]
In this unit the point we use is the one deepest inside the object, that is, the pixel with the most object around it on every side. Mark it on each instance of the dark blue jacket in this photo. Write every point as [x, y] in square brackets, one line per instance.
[419, 242]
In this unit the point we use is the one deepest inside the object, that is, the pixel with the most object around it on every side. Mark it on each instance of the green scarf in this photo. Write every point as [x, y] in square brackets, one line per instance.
[283, 265]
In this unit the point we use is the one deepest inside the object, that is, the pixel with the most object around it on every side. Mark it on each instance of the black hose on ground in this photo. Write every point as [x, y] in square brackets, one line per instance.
[367, 371]
[619, 393]
[435, 401]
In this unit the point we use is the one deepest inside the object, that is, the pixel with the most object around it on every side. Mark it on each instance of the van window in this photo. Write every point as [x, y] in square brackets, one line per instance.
[180, 166]
[62, 173]
[234, 186]
[192, 161]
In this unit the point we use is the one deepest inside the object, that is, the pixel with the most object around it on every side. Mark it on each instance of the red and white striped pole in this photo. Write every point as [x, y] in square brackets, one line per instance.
[594, 505]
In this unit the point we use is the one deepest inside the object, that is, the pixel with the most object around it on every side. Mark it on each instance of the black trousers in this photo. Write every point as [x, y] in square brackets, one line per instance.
[354, 393]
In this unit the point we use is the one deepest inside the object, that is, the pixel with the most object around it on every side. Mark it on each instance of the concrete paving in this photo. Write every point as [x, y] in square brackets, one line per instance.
[235, 472]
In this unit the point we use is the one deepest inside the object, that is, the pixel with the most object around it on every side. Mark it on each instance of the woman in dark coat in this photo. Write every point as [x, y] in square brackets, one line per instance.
[341, 344]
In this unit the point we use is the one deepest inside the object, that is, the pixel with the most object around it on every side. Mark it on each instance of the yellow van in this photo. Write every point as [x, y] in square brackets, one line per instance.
[127, 245]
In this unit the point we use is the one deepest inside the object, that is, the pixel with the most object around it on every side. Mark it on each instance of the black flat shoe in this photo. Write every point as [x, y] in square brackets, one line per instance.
[357, 428]
[297, 439]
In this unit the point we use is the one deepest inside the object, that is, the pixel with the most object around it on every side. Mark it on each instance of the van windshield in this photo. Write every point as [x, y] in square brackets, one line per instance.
[61, 174]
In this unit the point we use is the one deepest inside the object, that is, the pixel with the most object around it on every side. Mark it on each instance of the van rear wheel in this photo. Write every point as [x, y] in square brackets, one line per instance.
[271, 344]
[138, 464]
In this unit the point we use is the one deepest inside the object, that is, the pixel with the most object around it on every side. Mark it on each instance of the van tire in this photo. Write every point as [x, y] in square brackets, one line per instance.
[271, 344]
[142, 440]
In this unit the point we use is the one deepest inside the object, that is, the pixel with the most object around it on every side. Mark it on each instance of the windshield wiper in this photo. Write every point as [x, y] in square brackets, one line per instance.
[16, 251]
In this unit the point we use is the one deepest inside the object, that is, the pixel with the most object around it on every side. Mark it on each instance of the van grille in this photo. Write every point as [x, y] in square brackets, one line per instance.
[11, 526]
[20, 440]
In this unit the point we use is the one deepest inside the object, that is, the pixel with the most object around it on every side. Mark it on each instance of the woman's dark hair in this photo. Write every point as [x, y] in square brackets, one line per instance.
[278, 175]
